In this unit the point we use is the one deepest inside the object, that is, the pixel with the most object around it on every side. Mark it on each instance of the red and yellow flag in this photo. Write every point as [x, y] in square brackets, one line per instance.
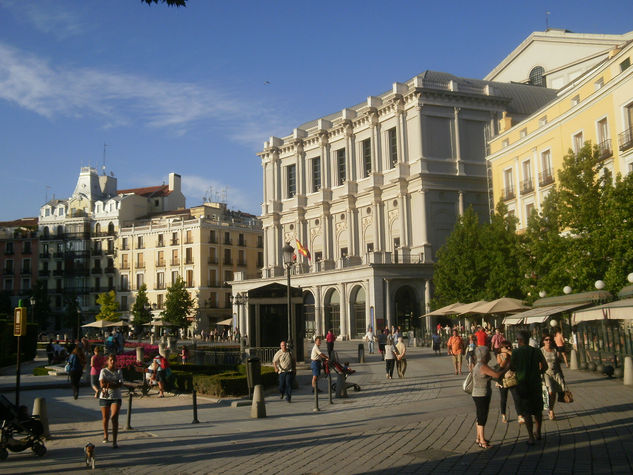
[302, 250]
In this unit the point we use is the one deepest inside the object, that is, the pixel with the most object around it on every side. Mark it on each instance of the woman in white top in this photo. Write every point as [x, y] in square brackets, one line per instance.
[111, 381]
[390, 356]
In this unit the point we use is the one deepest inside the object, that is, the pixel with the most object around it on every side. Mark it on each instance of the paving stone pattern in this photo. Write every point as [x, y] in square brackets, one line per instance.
[423, 423]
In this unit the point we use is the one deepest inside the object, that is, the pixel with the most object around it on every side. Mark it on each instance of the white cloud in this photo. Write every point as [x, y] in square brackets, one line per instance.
[46, 17]
[122, 99]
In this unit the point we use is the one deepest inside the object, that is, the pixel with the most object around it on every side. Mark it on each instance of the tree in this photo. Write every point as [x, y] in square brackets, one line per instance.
[178, 304]
[140, 309]
[171, 3]
[6, 308]
[42, 308]
[109, 307]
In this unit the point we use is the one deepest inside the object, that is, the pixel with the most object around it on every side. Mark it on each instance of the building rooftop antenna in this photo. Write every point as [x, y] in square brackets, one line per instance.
[547, 14]
[103, 165]
[224, 194]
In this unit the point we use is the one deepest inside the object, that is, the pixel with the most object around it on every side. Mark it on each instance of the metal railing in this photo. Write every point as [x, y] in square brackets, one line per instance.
[264, 353]
[545, 178]
[604, 149]
[527, 186]
[625, 139]
[508, 194]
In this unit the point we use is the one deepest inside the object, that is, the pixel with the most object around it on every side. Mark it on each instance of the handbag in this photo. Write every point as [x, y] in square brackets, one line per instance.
[510, 379]
[467, 386]
[565, 396]
[67, 367]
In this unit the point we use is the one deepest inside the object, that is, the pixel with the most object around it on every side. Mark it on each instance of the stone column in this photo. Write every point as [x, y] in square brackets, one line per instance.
[427, 302]
[458, 151]
[325, 161]
[344, 311]
[424, 228]
[461, 203]
[388, 301]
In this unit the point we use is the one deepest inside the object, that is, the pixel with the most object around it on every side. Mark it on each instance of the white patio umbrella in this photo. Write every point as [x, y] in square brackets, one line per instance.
[441, 312]
[228, 321]
[98, 324]
[502, 305]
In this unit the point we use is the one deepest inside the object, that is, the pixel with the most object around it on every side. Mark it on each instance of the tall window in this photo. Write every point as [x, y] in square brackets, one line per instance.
[291, 180]
[174, 277]
[603, 130]
[340, 166]
[366, 150]
[139, 281]
[188, 255]
[139, 242]
[188, 237]
[189, 278]
[316, 174]
[124, 282]
[140, 262]
[546, 166]
[393, 147]
[578, 142]
[160, 280]
[508, 184]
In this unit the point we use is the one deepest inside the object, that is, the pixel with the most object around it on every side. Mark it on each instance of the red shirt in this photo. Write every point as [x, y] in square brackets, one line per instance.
[330, 338]
[481, 338]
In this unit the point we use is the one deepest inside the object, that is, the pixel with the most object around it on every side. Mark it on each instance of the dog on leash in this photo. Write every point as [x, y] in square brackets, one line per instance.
[89, 450]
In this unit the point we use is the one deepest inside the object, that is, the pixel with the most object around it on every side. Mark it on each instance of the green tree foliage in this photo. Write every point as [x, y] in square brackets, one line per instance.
[5, 303]
[140, 309]
[42, 308]
[171, 3]
[109, 307]
[178, 304]
[479, 261]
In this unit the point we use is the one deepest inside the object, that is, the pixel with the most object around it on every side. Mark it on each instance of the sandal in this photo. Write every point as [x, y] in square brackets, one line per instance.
[485, 445]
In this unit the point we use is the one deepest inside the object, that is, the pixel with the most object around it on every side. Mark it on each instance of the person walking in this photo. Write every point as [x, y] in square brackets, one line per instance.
[96, 365]
[504, 359]
[482, 374]
[77, 361]
[50, 351]
[482, 336]
[401, 359]
[316, 358]
[553, 376]
[161, 365]
[369, 338]
[496, 340]
[528, 363]
[437, 342]
[286, 367]
[382, 341]
[111, 381]
[455, 350]
[559, 343]
[390, 357]
[470, 352]
[330, 338]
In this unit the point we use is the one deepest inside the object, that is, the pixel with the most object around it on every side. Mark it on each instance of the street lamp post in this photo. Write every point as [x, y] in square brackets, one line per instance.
[239, 300]
[33, 301]
[288, 252]
[78, 321]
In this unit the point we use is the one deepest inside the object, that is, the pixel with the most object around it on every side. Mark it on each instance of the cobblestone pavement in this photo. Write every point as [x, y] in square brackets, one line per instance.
[424, 423]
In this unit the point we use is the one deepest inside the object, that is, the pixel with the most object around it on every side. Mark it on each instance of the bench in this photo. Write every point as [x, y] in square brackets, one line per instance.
[143, 385]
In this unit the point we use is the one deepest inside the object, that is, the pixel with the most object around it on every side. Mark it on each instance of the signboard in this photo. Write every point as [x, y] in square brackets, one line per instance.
[19, 321]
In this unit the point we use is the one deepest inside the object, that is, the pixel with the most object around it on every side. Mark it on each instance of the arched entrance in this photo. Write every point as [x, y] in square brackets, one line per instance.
[357, 313]
[332, 311]
[406, 308]
[308, 313]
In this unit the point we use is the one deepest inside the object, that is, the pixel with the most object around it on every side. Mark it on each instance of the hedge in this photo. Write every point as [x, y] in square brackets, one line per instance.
[9, 343]
[214, 383]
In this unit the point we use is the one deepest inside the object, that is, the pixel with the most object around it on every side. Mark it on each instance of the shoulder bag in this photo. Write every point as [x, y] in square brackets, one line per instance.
[467, 386]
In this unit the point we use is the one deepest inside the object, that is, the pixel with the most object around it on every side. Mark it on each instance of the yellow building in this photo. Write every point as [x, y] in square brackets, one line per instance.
[524, 156]
[203, 245]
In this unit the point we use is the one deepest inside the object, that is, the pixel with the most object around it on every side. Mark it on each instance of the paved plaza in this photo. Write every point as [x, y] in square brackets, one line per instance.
[424, 423]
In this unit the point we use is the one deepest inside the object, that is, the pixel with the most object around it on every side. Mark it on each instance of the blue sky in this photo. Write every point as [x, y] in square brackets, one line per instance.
[197, 90]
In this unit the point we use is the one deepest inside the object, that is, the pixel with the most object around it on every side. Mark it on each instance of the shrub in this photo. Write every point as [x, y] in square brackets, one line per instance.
[231, 383]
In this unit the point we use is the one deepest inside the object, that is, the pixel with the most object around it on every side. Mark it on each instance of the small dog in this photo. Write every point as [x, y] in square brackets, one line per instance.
[89, 450]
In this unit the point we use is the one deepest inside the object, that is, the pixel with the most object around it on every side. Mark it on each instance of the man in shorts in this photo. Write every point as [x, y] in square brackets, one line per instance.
[316, 358]
[455, 350]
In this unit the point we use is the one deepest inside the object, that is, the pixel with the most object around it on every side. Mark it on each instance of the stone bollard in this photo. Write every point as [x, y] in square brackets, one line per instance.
[573, 360]
[258, 407]
[628, 371]
[139, 353]
[361, 352]
[341, 387]
[151, 339]
[39, 409]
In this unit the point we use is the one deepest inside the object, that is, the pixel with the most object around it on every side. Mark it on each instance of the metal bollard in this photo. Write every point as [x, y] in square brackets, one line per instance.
[361, 352]
[195, 408]
[128, 425]
[316, 397]
[329, 387]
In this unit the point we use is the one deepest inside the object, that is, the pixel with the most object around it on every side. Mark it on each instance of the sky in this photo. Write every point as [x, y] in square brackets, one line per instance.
[198, 90]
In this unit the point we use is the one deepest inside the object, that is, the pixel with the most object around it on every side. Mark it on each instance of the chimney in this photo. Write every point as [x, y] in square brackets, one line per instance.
[174, 182]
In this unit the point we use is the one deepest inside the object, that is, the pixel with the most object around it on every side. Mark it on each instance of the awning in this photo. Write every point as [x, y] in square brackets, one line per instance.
[467, 307]
[539, 315]
[512, 320]
[228, 322]
[618, 310]
[440, 312]
[501, 305]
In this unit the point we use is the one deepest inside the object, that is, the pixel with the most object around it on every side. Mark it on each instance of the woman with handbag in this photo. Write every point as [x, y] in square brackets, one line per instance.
[553, 377]
[481, 391]
[509, 382]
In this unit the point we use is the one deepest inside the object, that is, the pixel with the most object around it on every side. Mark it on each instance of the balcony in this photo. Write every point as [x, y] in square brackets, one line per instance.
[96, 270]
[527, 186]
[508, 194]
[212, 260]
[241, 243]
[604, 149]
[26, 251]
[241, 263]
[97, 252]
[109, 270]
[44, 273]
[190, 284]
[228, 242]
[58, 273]
[58, 255]
[174, 242]
[188, 261]
[213, 284]
[160, 244]
[213, 240]
[45, 255]
[625, 139]
[109, 251]
[545, 178]
[175, 262]
[160, 263]
[159, 287]
[26, 270]
[8, 252]
[227, 262]
[140, 265]
[7, 270]
[125, 266]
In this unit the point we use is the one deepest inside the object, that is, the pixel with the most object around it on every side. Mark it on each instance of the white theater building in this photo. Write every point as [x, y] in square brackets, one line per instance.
[372, 192]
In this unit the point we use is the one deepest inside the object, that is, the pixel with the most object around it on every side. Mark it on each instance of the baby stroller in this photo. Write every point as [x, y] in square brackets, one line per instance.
[335, 365]
[14, 422]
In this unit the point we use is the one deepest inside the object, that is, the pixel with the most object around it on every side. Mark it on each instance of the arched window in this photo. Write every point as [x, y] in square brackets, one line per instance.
[97, 228]
[333, 312]
[537, 76]
[111, 229]
[358, 313]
